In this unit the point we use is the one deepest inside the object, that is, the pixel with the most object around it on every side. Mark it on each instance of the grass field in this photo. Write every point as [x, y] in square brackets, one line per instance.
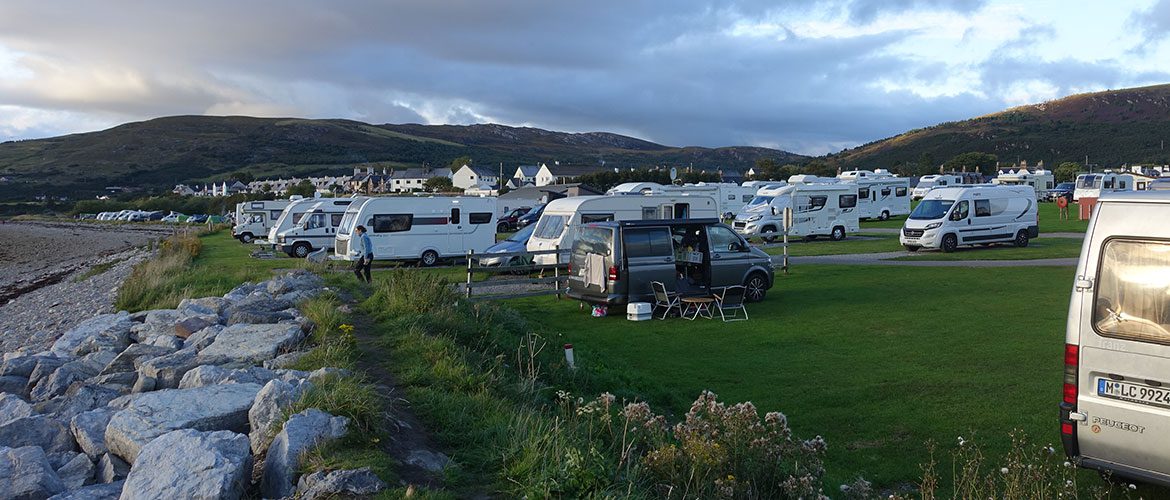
[877, 373]
[1042, 248]
[873, 243]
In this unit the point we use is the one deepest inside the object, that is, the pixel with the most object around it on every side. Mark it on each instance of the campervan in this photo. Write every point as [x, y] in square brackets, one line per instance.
[615, 262]
[731, 197]
[880, 194]
[953, 216]
[819, 209]
[255, 218]
[557, 227]
[422, 229]
[1095, 185]
[1115, 405]
[291, 215]
[1039, 180]
[928, 182]
[317, 229]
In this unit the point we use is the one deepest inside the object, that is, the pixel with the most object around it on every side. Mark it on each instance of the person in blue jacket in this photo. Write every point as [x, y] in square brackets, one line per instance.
[363, 251]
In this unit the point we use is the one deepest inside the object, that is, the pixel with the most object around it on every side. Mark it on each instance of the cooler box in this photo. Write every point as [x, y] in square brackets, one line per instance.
[639, 311]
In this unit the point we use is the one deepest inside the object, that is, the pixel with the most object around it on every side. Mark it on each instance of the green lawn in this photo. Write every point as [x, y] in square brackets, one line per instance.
[877, 373]
[1042, 248]
[853, 244]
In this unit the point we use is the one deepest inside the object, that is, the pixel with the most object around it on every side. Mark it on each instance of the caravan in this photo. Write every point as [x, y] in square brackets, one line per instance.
[953, 216]
[255, 218]
[880, 194]
[1040, 180]
[819, 209]
[316, 230]
[422, 229]
[557, 227]
[731, 197]
[1092, 186]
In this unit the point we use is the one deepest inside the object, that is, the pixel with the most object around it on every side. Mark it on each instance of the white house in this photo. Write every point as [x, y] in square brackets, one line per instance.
[526, 174]
[470, 176]
[561, 174]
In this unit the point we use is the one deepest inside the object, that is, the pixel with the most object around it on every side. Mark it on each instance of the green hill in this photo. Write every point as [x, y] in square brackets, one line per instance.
[1111, 128]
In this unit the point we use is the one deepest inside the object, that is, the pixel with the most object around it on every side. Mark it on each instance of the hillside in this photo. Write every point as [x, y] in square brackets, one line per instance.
[160, 153]
[1111, 128]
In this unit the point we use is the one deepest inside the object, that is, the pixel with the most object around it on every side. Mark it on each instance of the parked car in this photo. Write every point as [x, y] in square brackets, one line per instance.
[614, 263]
[173, 217]
[516, 243]
[1062, 190]
[87, 216]
[156, 215]
[531, 216]
[510, 222]
[197, 219]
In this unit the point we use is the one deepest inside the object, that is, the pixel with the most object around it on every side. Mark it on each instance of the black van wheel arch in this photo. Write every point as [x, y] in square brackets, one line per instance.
[837, 234]
[950, 243]
[756, 287]
[301, 250]
[429, 258]
[1021, 240]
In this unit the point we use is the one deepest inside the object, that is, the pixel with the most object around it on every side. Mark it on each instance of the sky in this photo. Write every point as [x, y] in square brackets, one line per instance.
[806, 76]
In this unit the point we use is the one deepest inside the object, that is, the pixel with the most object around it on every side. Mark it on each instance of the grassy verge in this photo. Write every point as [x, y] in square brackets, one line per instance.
[850, 245]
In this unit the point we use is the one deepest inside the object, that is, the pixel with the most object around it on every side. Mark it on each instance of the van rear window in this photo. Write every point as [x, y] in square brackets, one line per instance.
[596, 240]
[1133, 291]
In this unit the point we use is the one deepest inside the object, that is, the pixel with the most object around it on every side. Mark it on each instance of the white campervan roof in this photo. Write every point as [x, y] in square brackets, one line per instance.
[635, 188]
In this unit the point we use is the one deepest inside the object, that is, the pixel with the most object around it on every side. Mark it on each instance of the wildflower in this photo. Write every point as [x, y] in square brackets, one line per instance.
[1004, 470]
[962, 441]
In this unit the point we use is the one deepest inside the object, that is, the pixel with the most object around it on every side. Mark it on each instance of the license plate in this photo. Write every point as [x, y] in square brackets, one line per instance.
[1135, 393]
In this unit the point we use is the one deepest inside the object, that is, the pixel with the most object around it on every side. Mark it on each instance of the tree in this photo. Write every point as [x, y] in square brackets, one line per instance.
[438, 184]
[1067, 171]
[241, 176]
[303, 188]
[973, 161]
[459, 162]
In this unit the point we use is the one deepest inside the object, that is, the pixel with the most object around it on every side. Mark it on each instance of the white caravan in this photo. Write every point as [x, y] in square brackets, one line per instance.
[731, 197]
[557, 227]
[953, 216]
[422, 229]
[1040, 180]
[880, 194]
[291, 215]
[1095, 185]
[317, 228]
[255, 218]
[819, 209]
[1115, 409]
[928, 182]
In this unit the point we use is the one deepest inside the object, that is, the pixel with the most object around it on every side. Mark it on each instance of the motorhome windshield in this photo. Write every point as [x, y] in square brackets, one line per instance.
[760, 200]
[347, 222]
[550, 227]
[931, 209]
[1089, 182]
[523, 234]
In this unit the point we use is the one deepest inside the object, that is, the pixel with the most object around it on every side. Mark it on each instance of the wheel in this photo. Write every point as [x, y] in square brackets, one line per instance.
[884, 216]
[1021, 240]
[429, 258]
[768, 234]
[912, 248]
[756, 287]
[301, 250]
[950, 243]
[246, 238]
[501, 228]
[838, 234]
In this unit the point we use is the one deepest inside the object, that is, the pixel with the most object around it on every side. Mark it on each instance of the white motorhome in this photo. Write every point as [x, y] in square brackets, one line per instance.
[291, 215]
[880, 194]
[423, 229]
[317, 228]
[953, 216]
[1040, 180]
[557, 227]
[255, 218]
[1115, 409]
[1095, 185]
[731, 197]
[819, 209]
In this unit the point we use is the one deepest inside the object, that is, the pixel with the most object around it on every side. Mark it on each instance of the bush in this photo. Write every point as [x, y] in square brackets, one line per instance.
[150, 284]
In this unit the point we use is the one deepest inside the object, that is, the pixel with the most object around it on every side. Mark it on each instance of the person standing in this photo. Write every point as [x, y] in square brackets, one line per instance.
[363, 251]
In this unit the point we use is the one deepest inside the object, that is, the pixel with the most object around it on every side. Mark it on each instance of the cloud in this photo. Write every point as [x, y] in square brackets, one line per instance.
[1154, 22]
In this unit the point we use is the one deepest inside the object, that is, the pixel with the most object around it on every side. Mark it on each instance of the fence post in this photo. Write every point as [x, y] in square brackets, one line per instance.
[470, 253]
[557, 271]
[787, 224]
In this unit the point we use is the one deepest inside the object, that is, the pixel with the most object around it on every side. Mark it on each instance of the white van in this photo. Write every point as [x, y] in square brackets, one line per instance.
[255, 218]
[949, 217]
[1095, 185]
[819, 209]
[1115, 411]
[317, 229]
[291, 215]
[557, 227]
[880, 194]
[1040, 180]
[731, 197]
[928, 182]
[423, 229]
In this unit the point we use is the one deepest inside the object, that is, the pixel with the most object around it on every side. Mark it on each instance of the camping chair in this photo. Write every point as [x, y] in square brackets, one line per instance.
[731, 300]
[666, 300]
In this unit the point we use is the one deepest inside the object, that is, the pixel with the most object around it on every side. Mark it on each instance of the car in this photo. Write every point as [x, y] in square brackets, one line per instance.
[510, 222]
[531, 216]
[517, 242]
[173, 217]
[155, 215]
[1062, 190]
[197, 219]
[86, 216]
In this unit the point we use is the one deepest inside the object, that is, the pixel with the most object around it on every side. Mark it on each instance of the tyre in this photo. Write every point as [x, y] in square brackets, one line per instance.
[1021, 240]
[912, 248]
[246, 238]
[838, 234]
[301, 250]
[884, 216]
[768, 234]
[950, 243]
[429, 258]
[501, 228]
[756, 286]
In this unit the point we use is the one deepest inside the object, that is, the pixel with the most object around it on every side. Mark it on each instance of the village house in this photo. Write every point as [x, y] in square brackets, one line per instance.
[469, 176]
[562, 174]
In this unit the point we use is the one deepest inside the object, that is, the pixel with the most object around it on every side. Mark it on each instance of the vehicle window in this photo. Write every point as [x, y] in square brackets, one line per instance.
[649, 213]
[550, 227]
[455, 216]
[346, 223]
[964, 209]
[297, 217]
[810, 203]
[847, 200]
[597, 240]
[863, 193]
[274, 214]
[257, 218]
[942, 183]
[982, 208]
[522, 235]
[316, 221]
[731, 197]
[335, 220]
[747, 198]
[667, 212]
[885, 191]
[391, 223]
[430, 221]
[1108, 184]
[999, 206]
[724, 240]
[648, 242]
[682, 211]
[480, 217]
[900, 191]
[931, 209]
[760, 200]
[1133, 291]
[587, 218]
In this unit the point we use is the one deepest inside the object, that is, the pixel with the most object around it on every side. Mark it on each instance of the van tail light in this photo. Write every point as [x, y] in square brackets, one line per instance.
[1071, 358]
[613, 273]
[569, 269]
[1068, 405]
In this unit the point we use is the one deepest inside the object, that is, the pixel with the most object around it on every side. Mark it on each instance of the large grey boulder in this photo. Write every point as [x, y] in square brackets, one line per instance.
[203, 338]
[165, 372]
[89, 430]
[37, 430]
[188, 326]
[205, 375]
[285, 360]
[78, 399]
[111, 469]
[100, 332]
[12, 408]
[45, 367]
[271, 402]
[241, 292]
[213, 306]
[211, 408]
[339, 484]
[20, 366]
[294, 281]
[162, 317]
[25, 472]
[191, 464]
[72, 372]
[132, 357]
[77, 472]
[15, 385]
[109, 491]
[117, 381]
[301, 433]
[252, 344]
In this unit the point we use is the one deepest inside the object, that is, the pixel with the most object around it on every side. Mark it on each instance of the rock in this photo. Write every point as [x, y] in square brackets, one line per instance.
[20, 366]
[205, 375]
[254, 317]
[268, 408]
[302, 432]
[240, 292]
[299, 296]
[211, 408]
[123, 402]
[89, 430]
[189, 326]
[328, 372]
[77, 473]
[12, 408]
[203, 338]
[167, 341]
[143, 331]
[132, 357]
[104, 331]
[46, 365]
[121, 382]
[294, 281]
[111, 469]
[59, 459]
[56, 384]
[109, 491]
[37, 430]
[427, 460]
[166, 317]
[284, 360]
[165, 372]
[25, 473]
[252, 343]
[339, 484]
[17, 386]
[192, 464]
[205, 306]
[78, 399]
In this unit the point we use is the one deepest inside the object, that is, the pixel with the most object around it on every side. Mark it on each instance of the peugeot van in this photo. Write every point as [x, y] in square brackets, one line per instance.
[1115, 411]
[953, 216]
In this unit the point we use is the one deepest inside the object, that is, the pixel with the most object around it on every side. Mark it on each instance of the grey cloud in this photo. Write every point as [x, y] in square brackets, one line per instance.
[1154, 22]
[865, 11]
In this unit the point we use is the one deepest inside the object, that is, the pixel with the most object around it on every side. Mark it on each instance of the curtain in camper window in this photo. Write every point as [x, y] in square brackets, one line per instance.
[479, 217]
[1133, 291]
[847, 200]
[391, 223]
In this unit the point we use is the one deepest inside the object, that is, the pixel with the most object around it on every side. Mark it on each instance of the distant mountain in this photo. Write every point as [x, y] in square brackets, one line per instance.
[160, 153]
[1111, 128]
